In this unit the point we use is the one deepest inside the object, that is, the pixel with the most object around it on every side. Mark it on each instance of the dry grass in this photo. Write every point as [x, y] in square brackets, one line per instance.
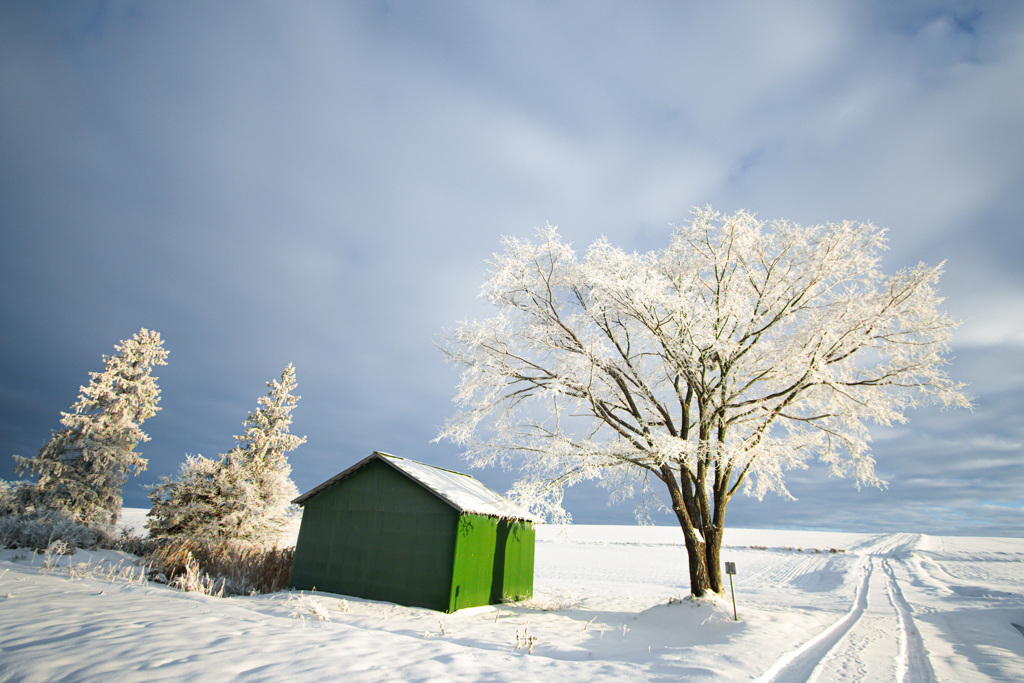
[223, 567]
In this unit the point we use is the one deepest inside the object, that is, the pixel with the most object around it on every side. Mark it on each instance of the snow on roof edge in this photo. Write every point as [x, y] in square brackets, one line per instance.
[462, 491]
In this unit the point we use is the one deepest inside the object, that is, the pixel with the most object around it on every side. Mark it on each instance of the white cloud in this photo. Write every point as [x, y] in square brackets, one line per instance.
[322, 183]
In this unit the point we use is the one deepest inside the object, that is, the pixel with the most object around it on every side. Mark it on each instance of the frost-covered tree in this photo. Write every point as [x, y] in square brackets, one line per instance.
[16, 497]
[741, 350]
[244, 495]
[84, 466]
[205, 500]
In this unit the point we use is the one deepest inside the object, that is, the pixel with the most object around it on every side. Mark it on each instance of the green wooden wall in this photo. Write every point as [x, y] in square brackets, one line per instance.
[493, 561]
[377, 535]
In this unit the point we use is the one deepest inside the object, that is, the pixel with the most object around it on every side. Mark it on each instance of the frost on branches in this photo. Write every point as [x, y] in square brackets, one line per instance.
[83, 467]
[244, 495]
[741, 350]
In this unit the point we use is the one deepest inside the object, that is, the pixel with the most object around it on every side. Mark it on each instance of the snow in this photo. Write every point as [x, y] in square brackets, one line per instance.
[610, 603]
[461, 490]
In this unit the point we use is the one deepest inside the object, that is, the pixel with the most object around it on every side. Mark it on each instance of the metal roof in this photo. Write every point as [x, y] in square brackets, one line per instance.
[461, 491]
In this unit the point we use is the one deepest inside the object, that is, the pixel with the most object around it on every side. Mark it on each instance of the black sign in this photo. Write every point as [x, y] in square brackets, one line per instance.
[730, 567]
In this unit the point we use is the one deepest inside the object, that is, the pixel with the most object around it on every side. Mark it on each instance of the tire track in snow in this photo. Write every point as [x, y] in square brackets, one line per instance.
[871, 642]
[799, 664]
[915, 667]
[894, 545]
[785, 569]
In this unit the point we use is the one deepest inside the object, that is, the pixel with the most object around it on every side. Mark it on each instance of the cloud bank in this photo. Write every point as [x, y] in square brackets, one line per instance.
[322, 184]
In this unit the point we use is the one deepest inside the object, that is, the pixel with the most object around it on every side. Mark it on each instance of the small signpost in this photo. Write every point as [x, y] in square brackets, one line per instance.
[730, 569]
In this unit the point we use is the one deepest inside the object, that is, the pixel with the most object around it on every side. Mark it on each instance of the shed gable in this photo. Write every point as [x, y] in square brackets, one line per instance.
[378, 535]
[461, 491]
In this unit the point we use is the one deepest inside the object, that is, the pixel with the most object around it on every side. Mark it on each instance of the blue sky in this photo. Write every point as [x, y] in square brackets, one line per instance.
[321, 184]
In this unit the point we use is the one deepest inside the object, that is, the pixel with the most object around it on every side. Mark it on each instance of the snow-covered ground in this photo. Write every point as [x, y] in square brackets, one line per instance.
[609, 603]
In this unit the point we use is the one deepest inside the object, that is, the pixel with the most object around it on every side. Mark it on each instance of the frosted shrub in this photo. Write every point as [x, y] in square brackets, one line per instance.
[17, 497]
[303, 604]
[37, 530]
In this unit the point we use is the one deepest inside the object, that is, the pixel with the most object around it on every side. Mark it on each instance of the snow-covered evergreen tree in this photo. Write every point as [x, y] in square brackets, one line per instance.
[15, 497]
[203, 501]
[245, 495]
[83, 467]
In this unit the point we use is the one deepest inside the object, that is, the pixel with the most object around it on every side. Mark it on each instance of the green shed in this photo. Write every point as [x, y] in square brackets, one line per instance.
[398, 530]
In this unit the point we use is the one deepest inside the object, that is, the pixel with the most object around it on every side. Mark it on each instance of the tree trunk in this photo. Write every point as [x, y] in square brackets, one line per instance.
[703, 546]
[713, 553]
[700, 581]
[705, 558]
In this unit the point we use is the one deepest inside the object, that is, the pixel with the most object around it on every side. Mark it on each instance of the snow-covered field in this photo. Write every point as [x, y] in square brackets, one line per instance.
[609, 604]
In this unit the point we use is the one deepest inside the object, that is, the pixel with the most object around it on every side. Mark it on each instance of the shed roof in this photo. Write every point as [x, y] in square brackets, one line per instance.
[461, 491]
